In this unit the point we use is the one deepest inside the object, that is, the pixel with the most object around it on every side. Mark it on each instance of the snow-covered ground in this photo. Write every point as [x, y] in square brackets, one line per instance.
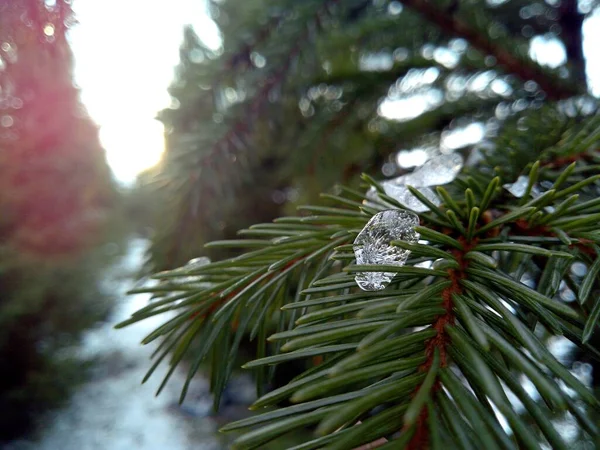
[113, 410]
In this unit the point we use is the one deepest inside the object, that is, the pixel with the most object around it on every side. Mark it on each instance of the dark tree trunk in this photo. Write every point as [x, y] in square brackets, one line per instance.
[571, 22]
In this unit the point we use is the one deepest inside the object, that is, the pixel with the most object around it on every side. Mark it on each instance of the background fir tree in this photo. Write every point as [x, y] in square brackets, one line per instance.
[56, 197]
[291, 104]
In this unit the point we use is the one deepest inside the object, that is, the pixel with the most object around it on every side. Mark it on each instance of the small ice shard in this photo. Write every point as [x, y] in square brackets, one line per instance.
[197, 262]
[186, 281]
[437, 171]
[373, 245]
[519, 187]
[403, 196]
[440, 170]
[425, 264]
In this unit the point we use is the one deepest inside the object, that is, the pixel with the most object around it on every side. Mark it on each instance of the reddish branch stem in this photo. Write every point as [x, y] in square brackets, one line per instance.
[420, 440]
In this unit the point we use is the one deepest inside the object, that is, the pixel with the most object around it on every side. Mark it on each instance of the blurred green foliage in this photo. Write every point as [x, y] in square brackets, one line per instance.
[58, 206]
[44, 307]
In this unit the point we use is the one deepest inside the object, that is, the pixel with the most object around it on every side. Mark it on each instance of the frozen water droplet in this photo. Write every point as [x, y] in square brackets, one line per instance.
[440, 170]
[372, 245]
[186, 281]
[579, 269]
[403, 196]
[197, 262]
[519, 187]
[425, 264]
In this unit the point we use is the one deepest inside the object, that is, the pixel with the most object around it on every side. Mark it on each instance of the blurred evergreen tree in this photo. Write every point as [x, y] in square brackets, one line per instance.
[55, 183]
[56, 195]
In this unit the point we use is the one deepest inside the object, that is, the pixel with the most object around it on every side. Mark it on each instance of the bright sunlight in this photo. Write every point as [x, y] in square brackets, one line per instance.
[125, 52]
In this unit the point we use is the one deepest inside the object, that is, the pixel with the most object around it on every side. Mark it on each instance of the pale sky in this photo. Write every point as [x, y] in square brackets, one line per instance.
[126, 50]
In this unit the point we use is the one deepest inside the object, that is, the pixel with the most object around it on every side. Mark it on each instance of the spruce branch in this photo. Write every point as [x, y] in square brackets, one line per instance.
[433, 355]
[470, 303]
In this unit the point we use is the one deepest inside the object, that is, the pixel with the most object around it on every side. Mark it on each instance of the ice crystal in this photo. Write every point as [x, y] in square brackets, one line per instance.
[373, 245]
[440, 170]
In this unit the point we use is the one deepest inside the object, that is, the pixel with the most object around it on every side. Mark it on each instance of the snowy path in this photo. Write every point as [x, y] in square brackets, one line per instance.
[113, 411]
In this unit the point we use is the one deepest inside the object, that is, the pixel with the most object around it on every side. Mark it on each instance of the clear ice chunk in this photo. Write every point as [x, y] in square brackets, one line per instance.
[425, 264]
[519, 187]
[437, 171]
[440, 170]
[373, 245]
[403, 196]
